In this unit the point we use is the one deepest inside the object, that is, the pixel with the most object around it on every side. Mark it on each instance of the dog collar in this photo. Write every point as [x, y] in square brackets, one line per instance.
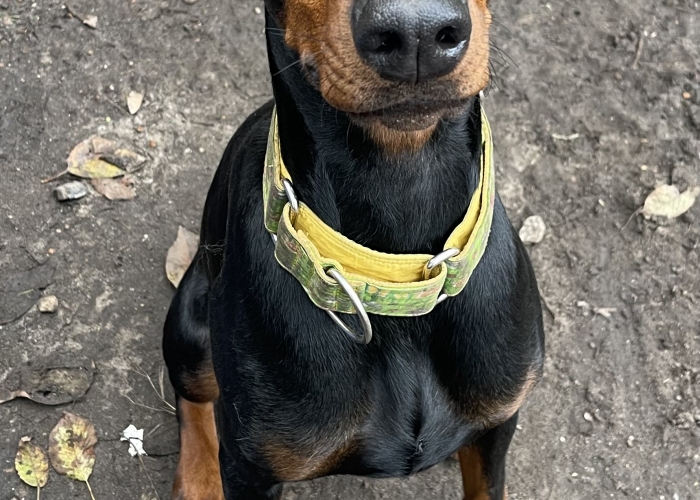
[342, 276]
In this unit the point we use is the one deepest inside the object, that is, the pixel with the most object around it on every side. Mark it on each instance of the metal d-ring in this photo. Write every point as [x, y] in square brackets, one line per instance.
[436, 261]
[291, 196]
[442, 257]
[359, 307]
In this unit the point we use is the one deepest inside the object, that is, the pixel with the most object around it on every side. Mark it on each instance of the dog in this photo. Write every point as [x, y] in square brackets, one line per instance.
[324, 326]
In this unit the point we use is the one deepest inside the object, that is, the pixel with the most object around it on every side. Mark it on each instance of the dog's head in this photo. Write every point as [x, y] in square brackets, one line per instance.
[395, 66]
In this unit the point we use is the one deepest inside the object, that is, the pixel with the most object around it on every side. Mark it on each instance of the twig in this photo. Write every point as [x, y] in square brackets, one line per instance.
[149, 477]
[548, 307]
[640, 48]
[161, 375]
[153, 430]
[160, 394]
[630, 219]
[54, 177]
[560, 137]
[164, 410]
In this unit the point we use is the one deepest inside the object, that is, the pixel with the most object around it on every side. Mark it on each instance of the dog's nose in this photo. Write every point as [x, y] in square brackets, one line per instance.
[411, 40]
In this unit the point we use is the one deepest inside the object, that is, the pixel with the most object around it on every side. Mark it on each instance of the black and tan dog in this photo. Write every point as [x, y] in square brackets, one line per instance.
[380, 129]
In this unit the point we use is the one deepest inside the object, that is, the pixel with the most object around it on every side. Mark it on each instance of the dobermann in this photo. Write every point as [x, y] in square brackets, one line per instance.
[380, 127]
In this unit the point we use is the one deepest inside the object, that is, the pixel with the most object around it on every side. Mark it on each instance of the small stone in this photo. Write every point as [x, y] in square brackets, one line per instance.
[48, 304]
[684, 420]
[258, 10]
[70, 191]
[686, 95]
[630, 441]
[588, 417]
[533, 230]
[152, 144]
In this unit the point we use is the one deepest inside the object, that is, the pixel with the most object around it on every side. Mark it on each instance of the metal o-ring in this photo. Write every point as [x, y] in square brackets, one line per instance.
[359, 307]
[442, 257]
[291, 195]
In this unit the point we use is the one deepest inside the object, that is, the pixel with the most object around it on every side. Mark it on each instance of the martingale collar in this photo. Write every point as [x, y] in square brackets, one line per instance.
[385, 284]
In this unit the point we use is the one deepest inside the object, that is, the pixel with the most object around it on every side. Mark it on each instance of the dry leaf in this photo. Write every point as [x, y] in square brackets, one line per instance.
[116, 189]
[71, 445]
[180, 255]
[134, 101]
[667, 201]
[100, 158]
[50, 381]
[31, 463]
[90, 21]
[96, 169]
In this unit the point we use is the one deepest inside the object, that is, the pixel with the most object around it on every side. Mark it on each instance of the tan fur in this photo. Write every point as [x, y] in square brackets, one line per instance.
[202, 387]
[500, 411]
[197, 476]
[476, 486]
[320, 31]
[289, 464]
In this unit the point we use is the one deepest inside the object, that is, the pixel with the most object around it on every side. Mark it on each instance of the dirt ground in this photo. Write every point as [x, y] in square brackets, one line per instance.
[618, 412]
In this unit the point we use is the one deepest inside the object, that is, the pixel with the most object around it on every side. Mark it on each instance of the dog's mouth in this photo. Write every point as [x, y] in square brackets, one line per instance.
[397, 107]
[411, 115]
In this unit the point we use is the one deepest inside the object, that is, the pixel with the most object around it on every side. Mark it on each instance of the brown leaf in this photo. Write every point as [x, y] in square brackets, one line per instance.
[50, 381]
[180, 255]
[71, 447]
[31, 463]
[116, 189]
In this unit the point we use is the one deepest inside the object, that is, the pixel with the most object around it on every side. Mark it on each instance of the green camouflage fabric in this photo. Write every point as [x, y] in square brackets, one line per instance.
[296, 253]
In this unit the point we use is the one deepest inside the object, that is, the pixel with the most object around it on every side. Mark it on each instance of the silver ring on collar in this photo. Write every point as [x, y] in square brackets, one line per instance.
[442, 257]
[366, 337]
[291, 195]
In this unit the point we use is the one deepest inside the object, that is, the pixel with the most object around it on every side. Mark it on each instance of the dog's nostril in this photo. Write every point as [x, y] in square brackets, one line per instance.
[448, 38]
[387, 42]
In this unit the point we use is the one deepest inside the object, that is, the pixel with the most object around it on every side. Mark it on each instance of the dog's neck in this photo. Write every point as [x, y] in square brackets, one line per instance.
[397, 203]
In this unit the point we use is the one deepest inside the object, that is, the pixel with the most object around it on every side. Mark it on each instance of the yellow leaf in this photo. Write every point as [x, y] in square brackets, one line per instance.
[96, 169]
[71, 445]
[31, 463]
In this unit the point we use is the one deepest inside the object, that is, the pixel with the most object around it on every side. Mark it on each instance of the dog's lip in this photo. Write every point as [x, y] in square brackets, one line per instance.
[412, 107]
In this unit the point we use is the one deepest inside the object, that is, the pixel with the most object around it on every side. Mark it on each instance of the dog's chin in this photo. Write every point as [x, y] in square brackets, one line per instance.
[407, 117]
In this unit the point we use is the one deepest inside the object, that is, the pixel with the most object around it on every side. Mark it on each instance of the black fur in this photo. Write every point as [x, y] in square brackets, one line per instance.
[287, 374]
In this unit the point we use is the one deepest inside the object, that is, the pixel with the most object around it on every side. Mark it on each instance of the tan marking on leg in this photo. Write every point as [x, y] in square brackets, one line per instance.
[202, 386]
[501, 411]
[197, 476]
[476, 486]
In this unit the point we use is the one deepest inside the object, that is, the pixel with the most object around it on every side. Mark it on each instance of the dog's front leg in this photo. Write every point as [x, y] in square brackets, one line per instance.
[483, 463]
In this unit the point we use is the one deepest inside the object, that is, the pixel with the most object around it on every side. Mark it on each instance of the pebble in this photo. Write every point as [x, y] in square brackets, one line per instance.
[533, 230]
[70, 191]
[630, 441]
[588, 417]
[48, 304]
